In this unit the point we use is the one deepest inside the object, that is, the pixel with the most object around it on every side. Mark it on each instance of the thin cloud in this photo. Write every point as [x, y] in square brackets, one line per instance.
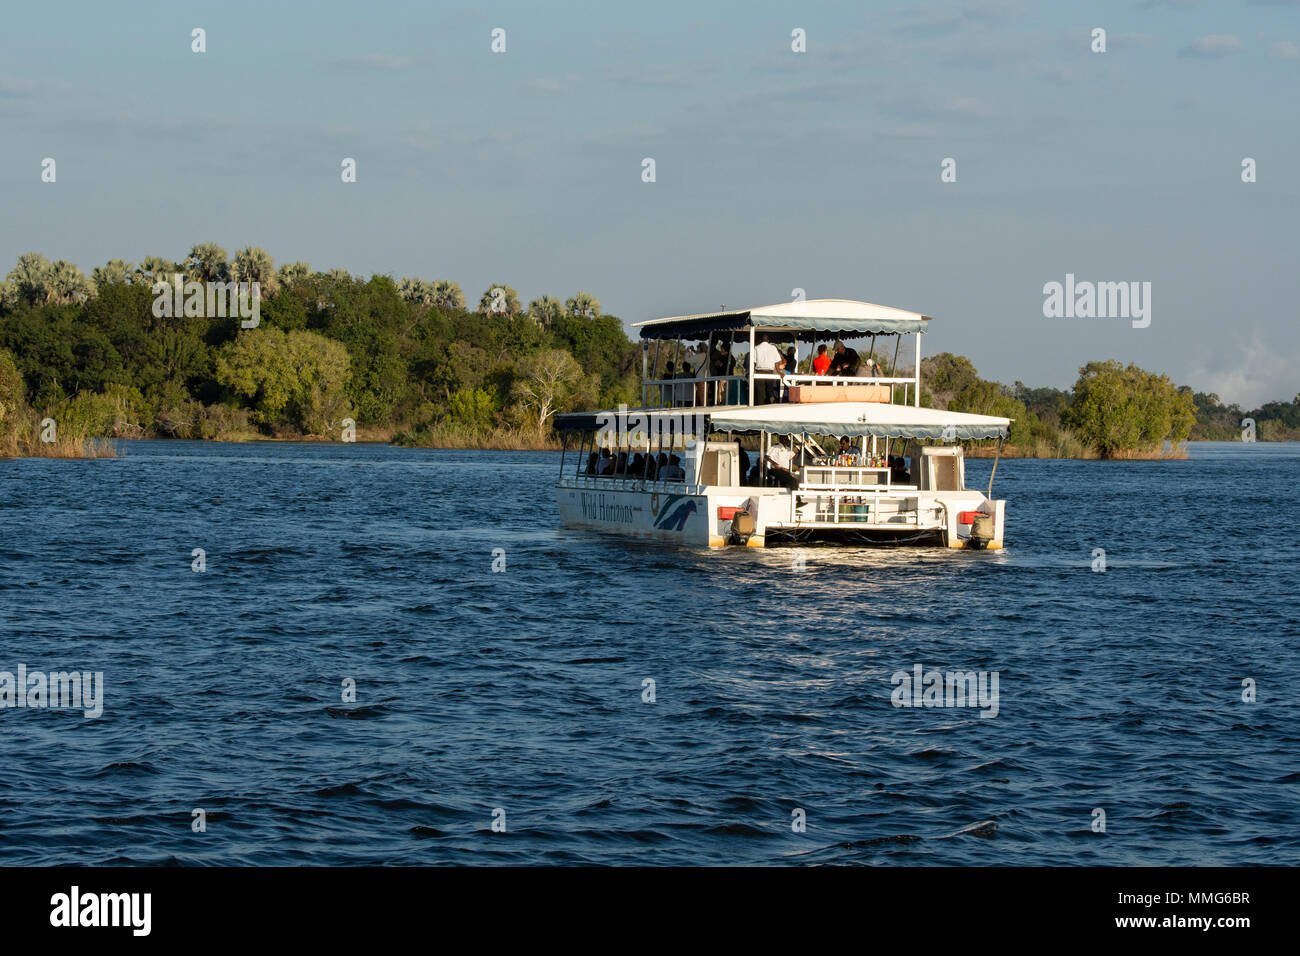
[1212, 47]
[376, 62]
[1284, 50]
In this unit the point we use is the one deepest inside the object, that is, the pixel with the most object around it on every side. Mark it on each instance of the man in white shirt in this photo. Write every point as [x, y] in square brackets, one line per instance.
[780, 459]
[766, 357]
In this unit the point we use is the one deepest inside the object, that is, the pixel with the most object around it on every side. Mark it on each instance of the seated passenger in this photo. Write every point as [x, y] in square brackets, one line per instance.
[780, 461]
[606, 463]
[898, 473]
[593, 461]
[845, 362]
[637, 466]
[620, 466]
[822, 362]
[744, 466]
[674, 471]
[661, 466]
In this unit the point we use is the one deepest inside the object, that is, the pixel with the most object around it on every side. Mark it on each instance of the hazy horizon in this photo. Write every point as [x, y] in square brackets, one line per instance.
[775, 170]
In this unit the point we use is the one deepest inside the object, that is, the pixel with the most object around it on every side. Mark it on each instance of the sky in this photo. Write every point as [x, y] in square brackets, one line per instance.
[775, 170]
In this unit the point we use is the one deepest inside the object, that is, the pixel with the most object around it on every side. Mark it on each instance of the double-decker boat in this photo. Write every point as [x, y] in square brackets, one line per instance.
[727, 449]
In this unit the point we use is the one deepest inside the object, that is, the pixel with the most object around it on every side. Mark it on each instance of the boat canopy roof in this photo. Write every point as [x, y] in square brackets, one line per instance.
[817, 418]
[802, 318]
[861, 418]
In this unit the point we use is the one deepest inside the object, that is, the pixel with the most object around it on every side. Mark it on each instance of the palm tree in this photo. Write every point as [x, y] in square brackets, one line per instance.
[339, 275]
[156, 269]
[545, 311]
[499, 299]
[254, 264]
[416, 291]
[113, 271]
[8, 296]
[69, 284]
[584, 305]
[292, 272]
[447, 294]
[207, 263]
[32, 278]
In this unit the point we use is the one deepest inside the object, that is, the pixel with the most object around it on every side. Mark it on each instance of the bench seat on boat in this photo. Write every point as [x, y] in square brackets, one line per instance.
[839, 393]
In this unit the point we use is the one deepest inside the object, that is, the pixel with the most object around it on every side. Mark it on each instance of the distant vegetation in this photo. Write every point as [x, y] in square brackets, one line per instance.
[1113, 411]
[405, 359]
[408, 360]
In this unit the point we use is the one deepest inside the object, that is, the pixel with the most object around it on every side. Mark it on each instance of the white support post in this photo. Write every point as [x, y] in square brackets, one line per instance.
[645, 370]
[751, 365]
[916, 399]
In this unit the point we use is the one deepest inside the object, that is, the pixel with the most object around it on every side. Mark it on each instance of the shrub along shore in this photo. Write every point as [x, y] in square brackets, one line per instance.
[332, 356]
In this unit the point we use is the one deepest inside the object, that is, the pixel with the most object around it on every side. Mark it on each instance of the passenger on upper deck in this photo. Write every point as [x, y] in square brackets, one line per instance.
[822, 362]
[765, 358]
[846, 361]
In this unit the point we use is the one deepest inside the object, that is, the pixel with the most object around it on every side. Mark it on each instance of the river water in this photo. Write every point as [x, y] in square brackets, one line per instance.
[606, 701]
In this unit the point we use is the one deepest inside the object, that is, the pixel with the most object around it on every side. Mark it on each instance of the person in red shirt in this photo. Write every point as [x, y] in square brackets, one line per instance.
[822, 362]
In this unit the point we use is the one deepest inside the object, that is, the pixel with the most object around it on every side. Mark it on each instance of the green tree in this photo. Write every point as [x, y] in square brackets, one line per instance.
[13, 394]
[33, 278]
[156, 269]
[1117, 408]
[292, 272]
[207, 263]
[583, 305]
[296, 379]
[499, 299]
[473, 408]
[416, 292]
[113, 271]
[547, 383]
[447, 294]
[546, 311]
[254, 264]
[69, 284]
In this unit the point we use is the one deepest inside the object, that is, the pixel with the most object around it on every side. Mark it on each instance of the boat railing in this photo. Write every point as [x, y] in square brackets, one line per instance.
[859, 506]
[714, 390]
[632, 483]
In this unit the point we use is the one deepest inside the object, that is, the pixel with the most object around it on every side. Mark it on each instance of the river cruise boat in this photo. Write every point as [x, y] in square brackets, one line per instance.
[764, 426]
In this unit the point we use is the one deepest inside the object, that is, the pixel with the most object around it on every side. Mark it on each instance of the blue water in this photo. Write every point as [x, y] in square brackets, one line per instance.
[523, 690]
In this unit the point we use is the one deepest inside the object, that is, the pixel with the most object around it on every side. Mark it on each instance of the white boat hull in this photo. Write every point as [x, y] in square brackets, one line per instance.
[699, 515]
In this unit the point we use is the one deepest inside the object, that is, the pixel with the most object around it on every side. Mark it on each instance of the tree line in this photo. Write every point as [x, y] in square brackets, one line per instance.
[410, 360]
[403, 359]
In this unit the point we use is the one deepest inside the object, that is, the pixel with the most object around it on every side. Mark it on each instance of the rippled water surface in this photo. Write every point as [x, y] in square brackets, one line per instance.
[523, 690]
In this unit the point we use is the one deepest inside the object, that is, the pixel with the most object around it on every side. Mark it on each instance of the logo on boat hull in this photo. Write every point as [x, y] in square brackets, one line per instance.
[675, 512]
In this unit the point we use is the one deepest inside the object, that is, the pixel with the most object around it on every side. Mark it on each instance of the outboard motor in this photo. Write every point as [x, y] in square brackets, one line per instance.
[981, 531]
[742, 526]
